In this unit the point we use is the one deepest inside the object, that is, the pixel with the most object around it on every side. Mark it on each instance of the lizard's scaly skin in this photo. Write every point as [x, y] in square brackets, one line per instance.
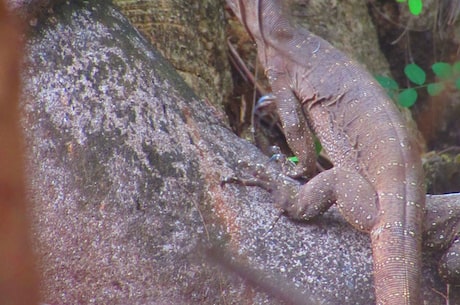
[377, 179]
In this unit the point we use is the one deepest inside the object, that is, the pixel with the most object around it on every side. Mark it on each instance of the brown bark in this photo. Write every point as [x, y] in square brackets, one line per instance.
[190, 34]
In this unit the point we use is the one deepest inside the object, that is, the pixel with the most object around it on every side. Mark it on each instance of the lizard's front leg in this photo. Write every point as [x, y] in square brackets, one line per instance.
[298, 136]
[355, 196]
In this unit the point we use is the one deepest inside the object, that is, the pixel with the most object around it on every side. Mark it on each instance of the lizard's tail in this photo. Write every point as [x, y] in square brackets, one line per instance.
[396, 247]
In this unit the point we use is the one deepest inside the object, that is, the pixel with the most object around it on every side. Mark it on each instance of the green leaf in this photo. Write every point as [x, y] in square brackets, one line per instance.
[415, 7]
[387, 82]
[442, 70]
[456, 67]
[435, 88]
[415, 74]
[294, 159]
[457, 83]
[407, 97]
[318, 146]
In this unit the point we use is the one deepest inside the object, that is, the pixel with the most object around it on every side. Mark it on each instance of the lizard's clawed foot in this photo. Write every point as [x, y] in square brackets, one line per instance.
[261, 176]
[288, 166]
[269, 177]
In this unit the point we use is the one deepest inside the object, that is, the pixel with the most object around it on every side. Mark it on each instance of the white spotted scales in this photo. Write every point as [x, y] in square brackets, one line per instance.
[377, 179]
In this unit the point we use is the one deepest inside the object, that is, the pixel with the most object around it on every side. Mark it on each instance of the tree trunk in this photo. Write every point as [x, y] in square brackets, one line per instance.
[191, 35]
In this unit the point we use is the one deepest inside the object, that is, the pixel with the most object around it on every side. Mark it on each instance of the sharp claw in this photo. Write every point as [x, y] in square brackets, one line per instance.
[265, 100]
[230, 179]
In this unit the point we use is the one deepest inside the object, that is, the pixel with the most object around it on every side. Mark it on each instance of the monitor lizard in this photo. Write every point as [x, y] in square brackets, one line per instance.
[377, 178]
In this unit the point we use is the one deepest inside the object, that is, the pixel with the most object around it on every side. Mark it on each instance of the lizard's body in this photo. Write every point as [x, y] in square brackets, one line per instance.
[377, 179]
